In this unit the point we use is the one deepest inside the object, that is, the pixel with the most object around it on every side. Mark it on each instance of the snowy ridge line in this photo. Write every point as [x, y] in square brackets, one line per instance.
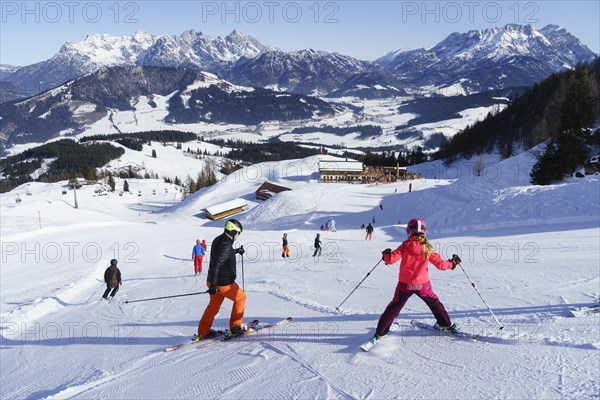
[43, 306]
[60, 229]
[542, 224]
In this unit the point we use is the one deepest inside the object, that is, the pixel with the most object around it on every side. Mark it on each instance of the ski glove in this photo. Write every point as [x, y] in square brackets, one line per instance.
[240, 251]
[213, 290]
[455, 260]
[386, 251]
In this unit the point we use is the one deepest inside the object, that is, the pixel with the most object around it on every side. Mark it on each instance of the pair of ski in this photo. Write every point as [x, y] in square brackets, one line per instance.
[395, 326]
[252, 328]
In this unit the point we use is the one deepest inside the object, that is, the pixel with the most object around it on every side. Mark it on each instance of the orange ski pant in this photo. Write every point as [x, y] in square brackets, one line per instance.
[232, 292]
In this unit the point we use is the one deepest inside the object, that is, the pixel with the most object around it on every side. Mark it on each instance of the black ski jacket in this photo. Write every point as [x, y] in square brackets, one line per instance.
[222, 270]
[112, 277]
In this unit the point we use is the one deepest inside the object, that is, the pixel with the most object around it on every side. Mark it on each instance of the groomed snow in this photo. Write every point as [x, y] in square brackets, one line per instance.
[532, 252]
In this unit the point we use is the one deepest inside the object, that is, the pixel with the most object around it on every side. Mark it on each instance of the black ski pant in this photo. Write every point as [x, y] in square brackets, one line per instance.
[114, 291]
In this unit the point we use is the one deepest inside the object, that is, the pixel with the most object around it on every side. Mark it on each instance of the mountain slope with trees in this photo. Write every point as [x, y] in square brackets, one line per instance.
[564, 102]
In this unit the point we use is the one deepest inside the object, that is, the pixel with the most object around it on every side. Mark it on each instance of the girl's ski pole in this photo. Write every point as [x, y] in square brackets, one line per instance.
[480, 296]
[338, 307]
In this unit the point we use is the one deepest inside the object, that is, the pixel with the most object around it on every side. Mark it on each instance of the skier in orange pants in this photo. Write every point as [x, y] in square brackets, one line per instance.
[221, 281]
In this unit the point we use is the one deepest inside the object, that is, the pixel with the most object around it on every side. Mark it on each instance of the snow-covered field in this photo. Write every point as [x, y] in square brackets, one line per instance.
[533, 253]
[381, 112]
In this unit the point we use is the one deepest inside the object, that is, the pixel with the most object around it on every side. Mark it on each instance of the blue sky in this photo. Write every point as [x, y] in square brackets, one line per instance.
[33, 31]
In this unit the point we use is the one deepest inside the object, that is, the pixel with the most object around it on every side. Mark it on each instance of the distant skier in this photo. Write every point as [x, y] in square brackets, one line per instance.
[415, 254]
[410, 187]
[381, 206]
[373, 221]
[317, 245]
[285, 250]
[327, 225]
[198, 252]
[203, 244]
[322, 228]
[112, 277]
[221, 282]
[332, 225]
[369, 232]
[362, 227]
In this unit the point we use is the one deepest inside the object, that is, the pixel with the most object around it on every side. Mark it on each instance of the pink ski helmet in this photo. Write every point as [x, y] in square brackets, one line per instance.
[416, 226]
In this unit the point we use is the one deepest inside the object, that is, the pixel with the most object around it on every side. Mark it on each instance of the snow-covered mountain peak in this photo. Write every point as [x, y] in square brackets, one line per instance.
[512, 55]
[104, 49]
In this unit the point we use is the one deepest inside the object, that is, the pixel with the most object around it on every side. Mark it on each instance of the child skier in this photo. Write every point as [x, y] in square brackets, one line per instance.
[198, 252]
[112, 277]
[317, 245]
[285, 251]
[415, 254]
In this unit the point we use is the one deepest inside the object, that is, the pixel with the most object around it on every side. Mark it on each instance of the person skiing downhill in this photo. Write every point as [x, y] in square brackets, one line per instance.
[198, 252]
[415, 254]
[369, 230]
[285, 250]
[317, 245]
[221, 282]
[112, 277]
[332, 225]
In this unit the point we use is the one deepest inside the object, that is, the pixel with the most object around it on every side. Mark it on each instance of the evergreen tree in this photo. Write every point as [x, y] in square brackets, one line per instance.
[111, 182]
[153, 153]
[89, 173]
[546, 169]
[567, 150]
[578, 108]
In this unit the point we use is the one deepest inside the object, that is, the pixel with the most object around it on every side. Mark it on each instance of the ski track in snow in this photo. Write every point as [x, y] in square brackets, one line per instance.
[294, 356]
[544, 351]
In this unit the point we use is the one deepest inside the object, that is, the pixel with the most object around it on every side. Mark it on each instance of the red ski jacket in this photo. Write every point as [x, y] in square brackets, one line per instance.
[414, 267]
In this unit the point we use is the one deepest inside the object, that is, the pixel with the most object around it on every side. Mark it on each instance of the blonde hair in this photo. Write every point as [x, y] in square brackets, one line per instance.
[427, 247]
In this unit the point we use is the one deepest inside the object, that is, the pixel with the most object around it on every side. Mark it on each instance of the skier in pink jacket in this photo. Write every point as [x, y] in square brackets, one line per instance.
[415, 254]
